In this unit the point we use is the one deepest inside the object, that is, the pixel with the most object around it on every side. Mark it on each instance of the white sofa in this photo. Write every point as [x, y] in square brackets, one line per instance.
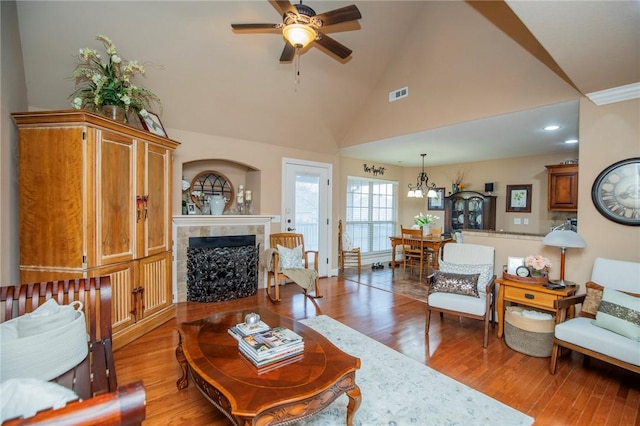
[580, 334]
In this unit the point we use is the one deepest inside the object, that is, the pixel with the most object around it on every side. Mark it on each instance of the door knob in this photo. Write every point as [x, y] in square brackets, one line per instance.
[291, 229]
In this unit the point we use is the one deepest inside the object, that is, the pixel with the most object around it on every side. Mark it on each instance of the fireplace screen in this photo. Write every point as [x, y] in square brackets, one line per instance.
[222, 268]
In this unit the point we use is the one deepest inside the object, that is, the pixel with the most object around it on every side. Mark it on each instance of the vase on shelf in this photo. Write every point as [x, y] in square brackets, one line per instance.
[217, 203]
[454, 188]
[113, 112]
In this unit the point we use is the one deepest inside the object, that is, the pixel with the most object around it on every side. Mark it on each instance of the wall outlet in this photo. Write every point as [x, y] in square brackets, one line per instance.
[516, 221]
[526, 221]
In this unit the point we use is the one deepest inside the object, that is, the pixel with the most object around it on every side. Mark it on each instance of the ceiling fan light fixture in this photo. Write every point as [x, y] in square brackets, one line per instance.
[299, 35]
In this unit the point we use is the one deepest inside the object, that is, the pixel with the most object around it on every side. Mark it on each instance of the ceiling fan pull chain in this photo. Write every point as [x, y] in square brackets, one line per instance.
[296, 79]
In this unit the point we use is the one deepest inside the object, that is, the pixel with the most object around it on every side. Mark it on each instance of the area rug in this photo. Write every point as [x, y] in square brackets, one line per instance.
[397, 390]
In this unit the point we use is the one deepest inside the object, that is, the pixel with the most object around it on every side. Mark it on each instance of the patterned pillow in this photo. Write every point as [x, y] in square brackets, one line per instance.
[592, 300]
[290, 258]
[465, 284]
[620, 313]
[485, 271]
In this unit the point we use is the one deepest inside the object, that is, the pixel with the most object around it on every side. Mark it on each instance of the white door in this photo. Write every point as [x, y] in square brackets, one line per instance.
[306, 206]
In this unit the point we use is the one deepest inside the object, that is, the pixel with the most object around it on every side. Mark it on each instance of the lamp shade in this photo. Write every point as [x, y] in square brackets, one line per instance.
[563, 238]
[299, 35]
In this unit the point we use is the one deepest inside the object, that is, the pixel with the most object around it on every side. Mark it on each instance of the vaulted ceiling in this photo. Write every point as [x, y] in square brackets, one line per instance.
[477, 72]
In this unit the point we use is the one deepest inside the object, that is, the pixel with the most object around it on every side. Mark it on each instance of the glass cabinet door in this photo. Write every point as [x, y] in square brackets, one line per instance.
[458, 213]
[475, 213]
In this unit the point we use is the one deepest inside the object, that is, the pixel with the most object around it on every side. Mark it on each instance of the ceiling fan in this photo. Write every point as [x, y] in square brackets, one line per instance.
[301, 26]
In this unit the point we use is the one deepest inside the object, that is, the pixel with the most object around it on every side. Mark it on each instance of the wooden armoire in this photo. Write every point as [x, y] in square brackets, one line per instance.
[94, 199]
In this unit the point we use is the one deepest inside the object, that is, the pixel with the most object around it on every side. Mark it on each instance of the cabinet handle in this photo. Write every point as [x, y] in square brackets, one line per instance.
[139, 203]
[529, 296]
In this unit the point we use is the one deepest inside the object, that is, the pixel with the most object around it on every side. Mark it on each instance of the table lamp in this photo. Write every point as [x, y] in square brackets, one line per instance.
[563, 239]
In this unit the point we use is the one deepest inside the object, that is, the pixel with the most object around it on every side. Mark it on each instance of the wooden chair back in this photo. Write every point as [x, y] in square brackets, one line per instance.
[414, 249]
[97, 373]
[274, 275]
[347, 257]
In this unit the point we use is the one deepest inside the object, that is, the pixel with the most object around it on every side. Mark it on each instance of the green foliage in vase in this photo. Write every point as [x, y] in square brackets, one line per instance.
[109, 83]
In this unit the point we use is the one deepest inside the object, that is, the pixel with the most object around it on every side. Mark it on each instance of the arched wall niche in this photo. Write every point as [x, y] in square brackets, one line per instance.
[237, 174]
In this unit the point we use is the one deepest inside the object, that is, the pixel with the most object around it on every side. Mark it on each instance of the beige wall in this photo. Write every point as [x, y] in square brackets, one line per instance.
[14, 98]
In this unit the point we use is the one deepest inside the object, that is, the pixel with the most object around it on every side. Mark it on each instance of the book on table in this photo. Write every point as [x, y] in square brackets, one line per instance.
[271, 346]
[244, 329]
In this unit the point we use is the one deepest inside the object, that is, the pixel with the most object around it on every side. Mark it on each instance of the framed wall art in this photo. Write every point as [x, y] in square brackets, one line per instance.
[519, 198]
[151, 123]
[436, 203]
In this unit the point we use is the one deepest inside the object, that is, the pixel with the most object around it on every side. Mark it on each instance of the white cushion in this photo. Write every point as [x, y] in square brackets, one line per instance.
[25, 397]
[456, 302]
[580, 331]
[290, 258]
[617, 274]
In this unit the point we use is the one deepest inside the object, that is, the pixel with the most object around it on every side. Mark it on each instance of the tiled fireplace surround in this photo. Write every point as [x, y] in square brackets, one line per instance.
[185, 227]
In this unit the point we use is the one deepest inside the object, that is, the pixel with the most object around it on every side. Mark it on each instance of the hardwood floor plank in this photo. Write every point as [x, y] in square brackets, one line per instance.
[577, 394]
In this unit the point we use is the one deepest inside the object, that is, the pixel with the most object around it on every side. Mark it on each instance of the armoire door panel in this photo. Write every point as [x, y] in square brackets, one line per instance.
[52, 206]
[116, 186]
[155, 278]
[156, 189]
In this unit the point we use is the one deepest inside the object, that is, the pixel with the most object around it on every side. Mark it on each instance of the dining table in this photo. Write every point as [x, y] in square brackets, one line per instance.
[435, 243]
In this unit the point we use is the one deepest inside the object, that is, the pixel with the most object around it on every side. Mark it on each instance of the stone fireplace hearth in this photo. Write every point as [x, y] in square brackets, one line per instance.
[185, 227]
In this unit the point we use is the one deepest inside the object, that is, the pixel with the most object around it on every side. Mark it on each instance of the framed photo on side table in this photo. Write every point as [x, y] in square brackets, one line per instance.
[151, 123]
[519, 198]
[436, 203]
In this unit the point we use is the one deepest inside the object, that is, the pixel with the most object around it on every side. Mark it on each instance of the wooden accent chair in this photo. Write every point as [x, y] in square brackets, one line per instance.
[347, 256]
[414, 250]
[467, 259]
[275, 272]
[94, 379]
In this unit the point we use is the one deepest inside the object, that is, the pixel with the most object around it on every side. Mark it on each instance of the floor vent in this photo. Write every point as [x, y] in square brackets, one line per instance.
[399, 94]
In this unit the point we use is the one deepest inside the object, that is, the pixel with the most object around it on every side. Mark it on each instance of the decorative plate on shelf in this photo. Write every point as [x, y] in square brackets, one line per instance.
[616, 192]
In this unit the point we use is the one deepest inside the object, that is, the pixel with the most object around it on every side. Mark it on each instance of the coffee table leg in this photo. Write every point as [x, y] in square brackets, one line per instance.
[355, 397]
[183, 381]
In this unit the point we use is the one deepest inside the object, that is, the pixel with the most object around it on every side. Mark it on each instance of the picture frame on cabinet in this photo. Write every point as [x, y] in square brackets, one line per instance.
[436, 203]
[152, 124]
[191, 208]
[518, 198]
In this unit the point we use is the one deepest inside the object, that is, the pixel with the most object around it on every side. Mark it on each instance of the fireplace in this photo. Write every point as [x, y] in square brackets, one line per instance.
[222, 268]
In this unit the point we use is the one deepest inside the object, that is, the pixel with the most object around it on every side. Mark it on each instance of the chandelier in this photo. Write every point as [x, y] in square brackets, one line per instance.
[422, 184]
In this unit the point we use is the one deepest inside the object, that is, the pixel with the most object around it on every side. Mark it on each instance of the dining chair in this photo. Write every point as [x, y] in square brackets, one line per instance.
[348, 256]
[414, 250]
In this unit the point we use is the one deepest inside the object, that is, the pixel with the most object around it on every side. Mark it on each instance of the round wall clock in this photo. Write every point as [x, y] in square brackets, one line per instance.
[616, 192]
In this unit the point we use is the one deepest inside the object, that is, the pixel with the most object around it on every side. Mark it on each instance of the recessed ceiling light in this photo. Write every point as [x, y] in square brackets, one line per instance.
[571, 141]
[552, 127]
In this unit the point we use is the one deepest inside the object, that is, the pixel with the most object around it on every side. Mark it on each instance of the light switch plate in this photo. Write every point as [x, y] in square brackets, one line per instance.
[516, 221]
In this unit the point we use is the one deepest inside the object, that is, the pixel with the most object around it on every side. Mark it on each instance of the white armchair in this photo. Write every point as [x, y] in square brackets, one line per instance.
[464, 259]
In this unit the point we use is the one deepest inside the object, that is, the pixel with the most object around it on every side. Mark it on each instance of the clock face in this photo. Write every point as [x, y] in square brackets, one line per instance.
[616, 192]
[522, 271]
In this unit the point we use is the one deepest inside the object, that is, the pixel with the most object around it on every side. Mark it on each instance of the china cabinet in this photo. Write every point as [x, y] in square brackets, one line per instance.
[469, 210]
[563, 187]
[94, 199]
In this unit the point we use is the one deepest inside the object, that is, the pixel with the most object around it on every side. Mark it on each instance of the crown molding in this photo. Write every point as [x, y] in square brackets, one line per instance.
[617, 94]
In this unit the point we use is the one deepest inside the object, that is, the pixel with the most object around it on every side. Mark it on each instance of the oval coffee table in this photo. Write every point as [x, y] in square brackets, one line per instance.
[208, 354]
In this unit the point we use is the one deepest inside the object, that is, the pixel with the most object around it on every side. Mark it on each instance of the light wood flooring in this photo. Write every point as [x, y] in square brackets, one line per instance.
[595, 394]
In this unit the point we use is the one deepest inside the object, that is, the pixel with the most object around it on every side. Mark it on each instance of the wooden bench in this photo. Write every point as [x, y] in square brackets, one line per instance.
[94, 380]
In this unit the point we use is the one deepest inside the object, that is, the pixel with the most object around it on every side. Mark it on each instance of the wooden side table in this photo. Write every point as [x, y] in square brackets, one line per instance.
[533, 295]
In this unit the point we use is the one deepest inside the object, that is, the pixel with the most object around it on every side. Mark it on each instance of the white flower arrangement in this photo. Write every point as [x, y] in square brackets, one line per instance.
[109, 83]
[421, 219]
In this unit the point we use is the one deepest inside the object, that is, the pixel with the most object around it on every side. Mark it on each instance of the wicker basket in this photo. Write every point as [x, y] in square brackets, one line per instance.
[527, 335]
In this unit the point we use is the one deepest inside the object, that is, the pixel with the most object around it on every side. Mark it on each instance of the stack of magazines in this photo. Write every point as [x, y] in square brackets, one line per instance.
[272, 348]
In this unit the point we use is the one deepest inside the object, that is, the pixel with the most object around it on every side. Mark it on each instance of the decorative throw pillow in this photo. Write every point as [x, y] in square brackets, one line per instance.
[592, 300]
[464, 284]
[620, 313]
[485, 271]
[290, 258]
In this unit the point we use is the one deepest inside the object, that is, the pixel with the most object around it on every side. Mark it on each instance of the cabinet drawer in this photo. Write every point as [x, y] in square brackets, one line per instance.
[530, 298]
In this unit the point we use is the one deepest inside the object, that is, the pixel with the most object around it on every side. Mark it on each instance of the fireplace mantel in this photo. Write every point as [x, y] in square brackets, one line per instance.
[185, 226]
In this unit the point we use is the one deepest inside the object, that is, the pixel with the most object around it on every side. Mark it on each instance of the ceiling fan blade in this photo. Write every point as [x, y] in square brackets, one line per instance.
[254, 26]
[286, 6]
[333, 46]
[344, 14]
[287, 53]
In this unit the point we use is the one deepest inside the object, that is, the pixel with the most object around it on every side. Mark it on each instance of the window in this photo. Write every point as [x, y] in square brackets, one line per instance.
[371, 213]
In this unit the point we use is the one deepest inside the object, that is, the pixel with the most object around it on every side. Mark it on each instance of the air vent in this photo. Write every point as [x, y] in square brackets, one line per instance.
[399, 94]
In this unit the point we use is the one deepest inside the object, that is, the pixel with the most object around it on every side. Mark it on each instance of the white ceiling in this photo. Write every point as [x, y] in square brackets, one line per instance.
[208, 76]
